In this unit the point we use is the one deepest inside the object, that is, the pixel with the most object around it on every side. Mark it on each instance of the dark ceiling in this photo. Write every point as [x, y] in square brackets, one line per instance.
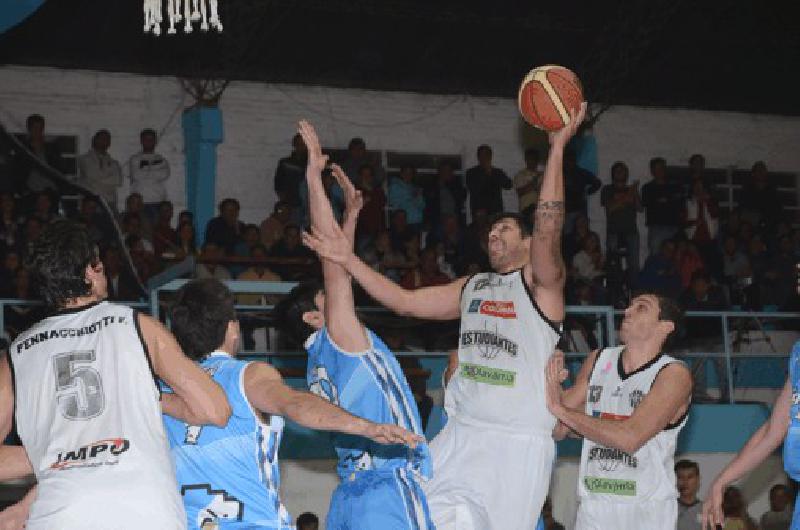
[712, 54]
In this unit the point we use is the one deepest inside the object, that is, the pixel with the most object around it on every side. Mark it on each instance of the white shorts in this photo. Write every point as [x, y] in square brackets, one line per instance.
[602, 515]
[488, 480]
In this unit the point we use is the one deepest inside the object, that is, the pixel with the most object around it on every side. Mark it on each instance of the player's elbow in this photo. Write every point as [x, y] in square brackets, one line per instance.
[218, 412]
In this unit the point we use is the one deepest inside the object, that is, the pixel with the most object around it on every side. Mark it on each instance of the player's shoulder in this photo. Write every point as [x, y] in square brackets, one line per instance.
[673, 369]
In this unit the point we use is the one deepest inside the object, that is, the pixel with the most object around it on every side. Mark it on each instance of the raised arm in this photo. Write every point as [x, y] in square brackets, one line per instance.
[197, 399]
[268, 393]
[545, 272]
[573, 397]
[340, 313]
[762, 444]
[666, 402]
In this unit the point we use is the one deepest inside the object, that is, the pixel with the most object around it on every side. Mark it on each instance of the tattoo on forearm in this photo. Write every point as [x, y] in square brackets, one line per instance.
[549, 217]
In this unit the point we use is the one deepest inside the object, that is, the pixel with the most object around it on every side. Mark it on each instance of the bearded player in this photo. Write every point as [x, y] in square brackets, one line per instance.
[492, 460]
[629, 403]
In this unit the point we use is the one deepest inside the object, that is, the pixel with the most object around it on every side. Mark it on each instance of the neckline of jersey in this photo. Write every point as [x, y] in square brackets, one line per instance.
[642, 368]
[78, 309]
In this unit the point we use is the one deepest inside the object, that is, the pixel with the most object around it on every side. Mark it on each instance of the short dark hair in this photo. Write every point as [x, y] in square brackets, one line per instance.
[289, 311]
[34, 118]
[148, 132]
[656, 161]
[357, 142]
[99, 133]
[200, 316]
[57, 262]
[524, 225]
[687, 464]
[532, 152]
[306, 518]
[228, 201]
[483, 147]
[778, 487]
[619, 164]
[668, 310]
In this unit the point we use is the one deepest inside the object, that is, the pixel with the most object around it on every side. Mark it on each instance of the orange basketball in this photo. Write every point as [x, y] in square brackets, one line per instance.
[546, 96]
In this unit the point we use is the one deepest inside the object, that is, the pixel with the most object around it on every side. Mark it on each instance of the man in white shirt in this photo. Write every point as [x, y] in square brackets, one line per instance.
[148, 172]
[527, 183]
[97, 171]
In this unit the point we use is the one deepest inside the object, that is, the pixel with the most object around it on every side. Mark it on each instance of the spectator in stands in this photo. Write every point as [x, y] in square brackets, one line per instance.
[10, 222]
[226, 229]
[11, 262]
[486, 183]
[527, 183]
[735, 510]
[701, 218]
[33, 179]
[43, 207]
[406, 195]
[445, 197]
[165, 238]
[589, 263]
[735, 265]
[662, 202]
[372, 219]
[779, 515]
[427, 273]
[185, 217]
[291, 171]
[290, 247]
[579, 183]
[760, 202]
[357, 156]
[100, 230]
[122, 285]
[452, 243]
[307, 521]
[622, 202]
[660, 272]
[257, 272]
[132, 225]
[31, 231]
[251, 236]
[476, 251]
[399, 229]
[547, 516]
[384, 258]
[689, 261]
[148, 172]
[210, 268]
[273, 226]
[690, 508]
[20, 318]
[573, 242]
[135, 204]
[697, 171]
[186, 246]
[143, 259]
[98, 172]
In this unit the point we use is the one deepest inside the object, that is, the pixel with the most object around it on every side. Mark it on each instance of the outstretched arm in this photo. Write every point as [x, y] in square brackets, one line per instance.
[546, 272]
[268, 393]
[340, 313]
[763, 442]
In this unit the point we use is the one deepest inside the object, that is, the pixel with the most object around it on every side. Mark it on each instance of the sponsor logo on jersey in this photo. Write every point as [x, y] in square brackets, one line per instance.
[617, 392]
[488, 375]
[101, 453]
[610, 486]
[635, 398]
[489, 343]
[493, 308]
[608, 459]
[595, 391]
[489, 283]
[94, 327]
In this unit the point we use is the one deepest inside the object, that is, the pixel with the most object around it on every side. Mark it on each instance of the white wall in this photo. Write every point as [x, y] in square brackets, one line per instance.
[307, 484]
[260, 119]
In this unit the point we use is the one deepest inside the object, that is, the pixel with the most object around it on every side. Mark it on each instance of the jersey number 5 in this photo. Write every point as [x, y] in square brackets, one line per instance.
[79, 391]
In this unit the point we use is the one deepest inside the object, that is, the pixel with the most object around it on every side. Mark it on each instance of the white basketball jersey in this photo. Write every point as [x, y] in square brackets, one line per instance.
[614, 475]
[504, 345]
[88, 414]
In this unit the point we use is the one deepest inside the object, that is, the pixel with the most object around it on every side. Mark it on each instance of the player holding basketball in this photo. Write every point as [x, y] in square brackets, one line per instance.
[783, 426]
[229, 476]
[493, 459]
[87, 404]
[629, 403]
[350, 366]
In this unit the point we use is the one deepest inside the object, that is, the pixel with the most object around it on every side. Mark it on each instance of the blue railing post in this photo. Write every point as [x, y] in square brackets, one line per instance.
[727, 345]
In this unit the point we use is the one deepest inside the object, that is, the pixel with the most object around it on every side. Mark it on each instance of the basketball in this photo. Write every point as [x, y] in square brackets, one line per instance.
[546, 96]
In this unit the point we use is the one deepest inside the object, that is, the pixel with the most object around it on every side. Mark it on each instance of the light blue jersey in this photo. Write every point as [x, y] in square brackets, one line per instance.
[379, 482]
[791, 445]
[229, 476]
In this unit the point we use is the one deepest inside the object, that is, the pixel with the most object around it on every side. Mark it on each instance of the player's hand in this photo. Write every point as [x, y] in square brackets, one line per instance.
[712, 508]
[386, 433]
[316, 160]
[560, 137]
[333, 247]
[353, 199]
[555, 374]
[14, 517]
